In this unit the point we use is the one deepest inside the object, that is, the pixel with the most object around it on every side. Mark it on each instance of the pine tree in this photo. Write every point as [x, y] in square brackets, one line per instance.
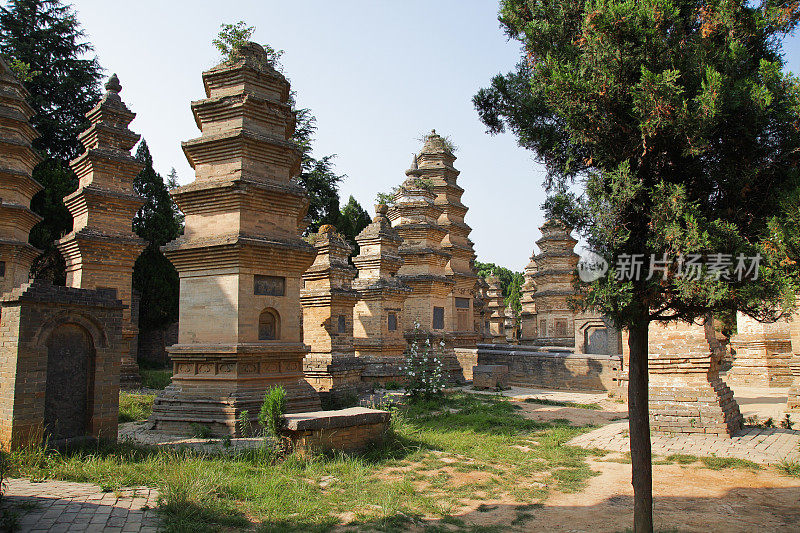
[675, 123]
[351, 221]
[158, 222]
[64, 83]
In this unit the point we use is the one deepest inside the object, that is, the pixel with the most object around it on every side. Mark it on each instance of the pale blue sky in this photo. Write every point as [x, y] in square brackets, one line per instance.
[376, 74]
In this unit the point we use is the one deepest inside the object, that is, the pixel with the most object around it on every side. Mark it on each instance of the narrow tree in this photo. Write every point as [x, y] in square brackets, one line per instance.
[668, 128]
[157, 222]
[45, 39]
[352, 220]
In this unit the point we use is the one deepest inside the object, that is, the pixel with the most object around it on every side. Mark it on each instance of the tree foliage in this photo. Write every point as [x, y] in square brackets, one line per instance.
[44, 39]
[158, 222]
[668, 128]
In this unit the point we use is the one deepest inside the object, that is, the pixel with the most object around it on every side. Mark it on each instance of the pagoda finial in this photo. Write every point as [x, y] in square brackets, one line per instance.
[113, 84]
[414, 165]
[433, 132]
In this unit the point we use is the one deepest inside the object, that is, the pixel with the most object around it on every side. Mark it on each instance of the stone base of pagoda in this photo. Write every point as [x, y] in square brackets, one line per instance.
[688, 396]
[334, 377]
[761, 364]
[213, 384]
[793, 404]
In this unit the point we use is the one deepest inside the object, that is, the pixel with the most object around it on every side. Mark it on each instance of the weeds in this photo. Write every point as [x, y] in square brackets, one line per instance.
[543, 401]
[134, 407]
[790, 468]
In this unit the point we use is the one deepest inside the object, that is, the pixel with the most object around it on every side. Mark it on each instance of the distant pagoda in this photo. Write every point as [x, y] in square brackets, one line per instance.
[528, 323]
[435, 164]
[497, 309]
[241, 257]
[377, 319]
[553, 278]
[17, 187]
[102, 248]
[328, 299]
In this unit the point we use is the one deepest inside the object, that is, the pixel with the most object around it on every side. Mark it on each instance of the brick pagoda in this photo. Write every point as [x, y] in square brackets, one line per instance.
[528, 323]
[377, 322]
[242, 256]
[761, 353]
[415, 218]
[481, 311]
[328, 300]
[17, 187]
[555, 267]
[435, 165]
[102, 248]
[497, 309]
[793, 403]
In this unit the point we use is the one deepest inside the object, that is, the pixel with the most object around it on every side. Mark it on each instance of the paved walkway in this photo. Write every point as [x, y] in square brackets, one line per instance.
[760, 445]
[59, 506]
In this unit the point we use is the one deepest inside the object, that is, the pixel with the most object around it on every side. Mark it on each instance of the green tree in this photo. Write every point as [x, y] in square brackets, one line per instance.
[667, 127]
[351, 221]
[157, 222]
[64, 84]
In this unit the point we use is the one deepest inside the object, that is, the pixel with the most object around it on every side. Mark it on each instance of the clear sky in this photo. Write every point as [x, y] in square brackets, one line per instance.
[377, 74]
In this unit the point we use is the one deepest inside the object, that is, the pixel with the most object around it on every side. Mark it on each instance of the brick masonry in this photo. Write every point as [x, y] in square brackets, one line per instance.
[761, 353]
[491, 377]
[59, 364]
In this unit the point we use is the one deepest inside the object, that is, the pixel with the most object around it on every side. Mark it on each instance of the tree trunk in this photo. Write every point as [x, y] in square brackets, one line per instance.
[639, 426]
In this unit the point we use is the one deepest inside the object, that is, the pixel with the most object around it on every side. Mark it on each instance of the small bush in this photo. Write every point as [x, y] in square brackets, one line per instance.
[272, 410]
[424, 368]
[243, 424]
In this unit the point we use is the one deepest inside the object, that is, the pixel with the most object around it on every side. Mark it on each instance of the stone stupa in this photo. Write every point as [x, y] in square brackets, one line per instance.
[242, 257]
[102, 248]
[17, 187]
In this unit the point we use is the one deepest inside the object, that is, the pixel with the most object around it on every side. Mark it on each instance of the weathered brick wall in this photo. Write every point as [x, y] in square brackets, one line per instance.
[467, 359]
[42, 325]
[761, 353]
[554, 370]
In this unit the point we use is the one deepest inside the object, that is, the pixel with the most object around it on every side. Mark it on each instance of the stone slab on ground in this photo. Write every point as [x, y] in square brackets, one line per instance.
[140, 433]
[759, 445]
[58, 506]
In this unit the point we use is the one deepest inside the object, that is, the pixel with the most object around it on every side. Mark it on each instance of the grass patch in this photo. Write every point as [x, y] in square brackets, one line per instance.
[416, 472]
[542, 401]
[134, 407]
[155, 378]
[790, 468]
[681, 459]
[718, 463]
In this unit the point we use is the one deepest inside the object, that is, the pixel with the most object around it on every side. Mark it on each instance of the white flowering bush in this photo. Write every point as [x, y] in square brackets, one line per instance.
[424, 367]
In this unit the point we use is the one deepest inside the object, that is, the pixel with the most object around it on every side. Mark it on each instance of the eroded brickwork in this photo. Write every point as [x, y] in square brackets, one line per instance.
[686, 392]
[761, 353]
[497, 309]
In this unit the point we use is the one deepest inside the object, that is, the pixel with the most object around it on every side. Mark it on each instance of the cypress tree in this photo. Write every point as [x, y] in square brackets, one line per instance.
[157, 222]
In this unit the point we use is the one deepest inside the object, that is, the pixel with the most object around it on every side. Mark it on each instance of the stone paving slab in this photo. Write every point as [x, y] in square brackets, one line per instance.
[59, 506]
[760, 445]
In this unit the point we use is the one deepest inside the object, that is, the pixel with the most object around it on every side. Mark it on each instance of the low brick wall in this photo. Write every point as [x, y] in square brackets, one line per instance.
[346, 430]
[490, 377]
[554, 370]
